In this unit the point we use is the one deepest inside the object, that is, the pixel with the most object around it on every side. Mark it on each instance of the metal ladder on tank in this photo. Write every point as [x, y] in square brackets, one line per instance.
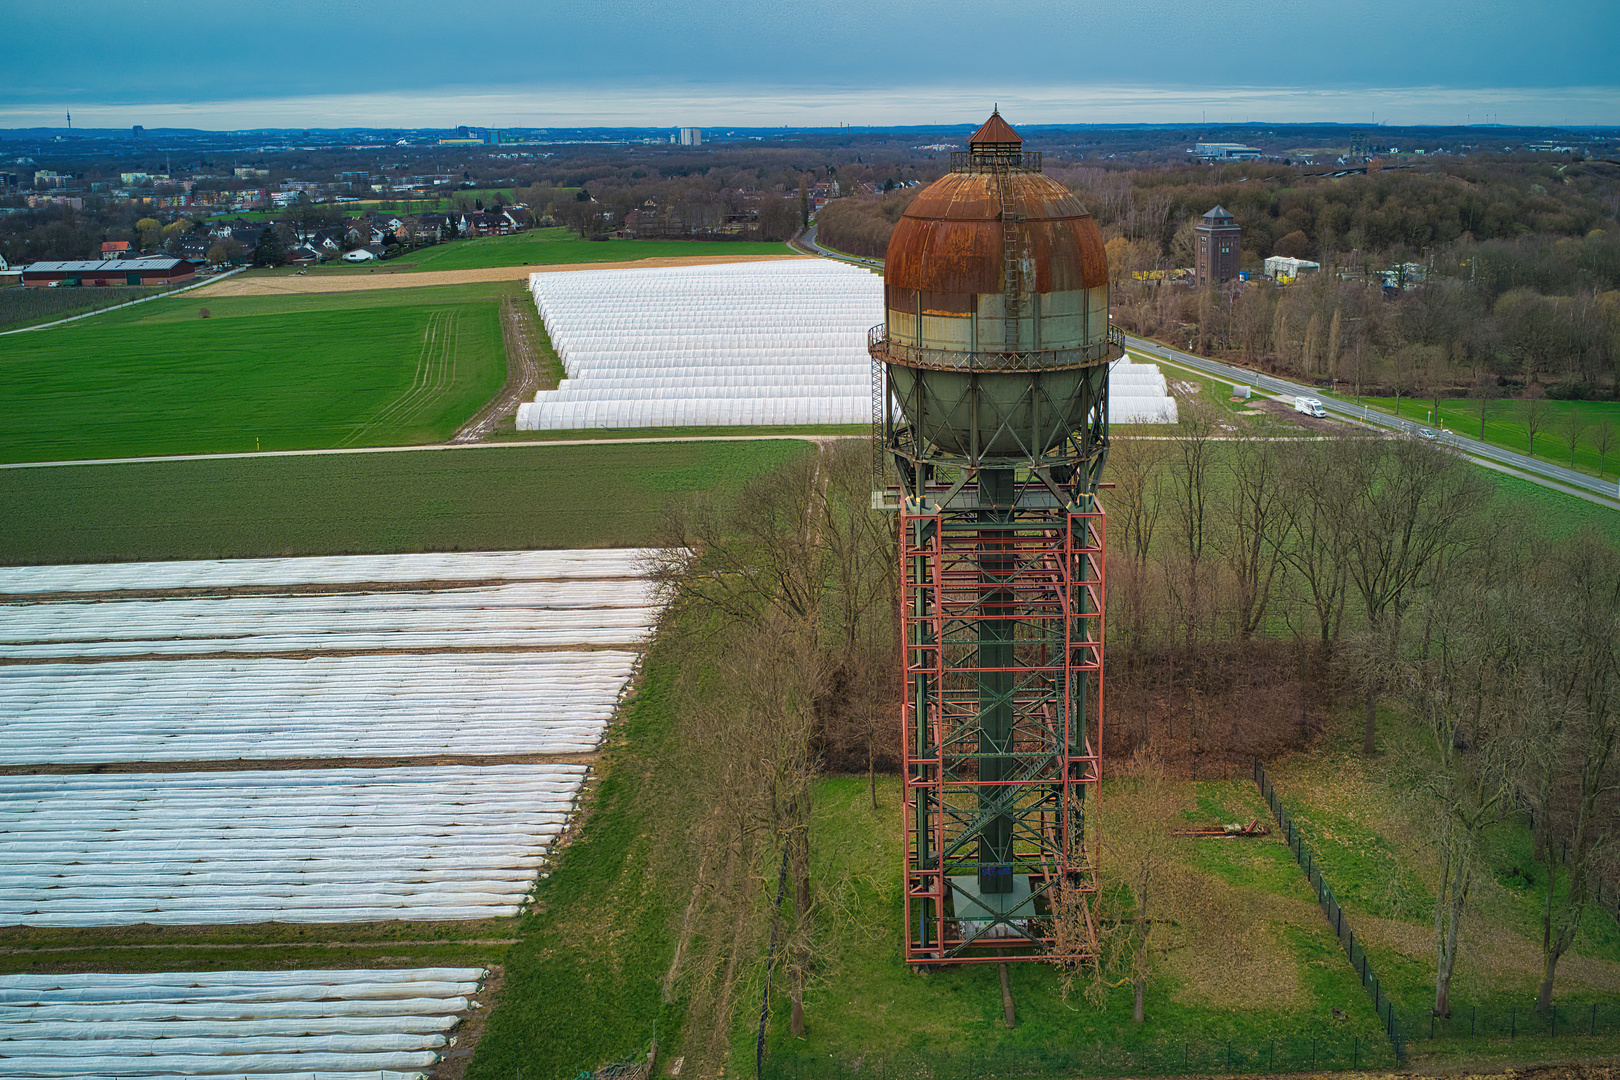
[1011, 264]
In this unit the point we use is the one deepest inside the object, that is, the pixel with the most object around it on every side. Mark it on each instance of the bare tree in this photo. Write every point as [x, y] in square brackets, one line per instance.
[1135, 467]
[765, 555]
[1533, 413]
[1141, 807]
[1467, 690]
[1253, 539]
[1573, 427]
[1602, 442]
[1190, 511]
[1315, 537]
[1410, 503]
[1572, 618]
[1484, 392]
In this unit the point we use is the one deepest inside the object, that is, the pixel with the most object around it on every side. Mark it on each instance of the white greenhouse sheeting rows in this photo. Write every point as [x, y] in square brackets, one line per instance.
[1137, 394]
[328, 570]
[310, 845]
[741, 345]
[528, 614]
[345, 706]
[291, 1025]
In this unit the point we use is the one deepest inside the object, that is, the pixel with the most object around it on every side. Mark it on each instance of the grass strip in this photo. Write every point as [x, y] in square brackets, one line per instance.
[485, 499]
[582, 984]
[285, 381]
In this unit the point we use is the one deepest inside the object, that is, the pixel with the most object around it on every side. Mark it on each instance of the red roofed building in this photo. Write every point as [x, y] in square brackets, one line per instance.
[115, 249]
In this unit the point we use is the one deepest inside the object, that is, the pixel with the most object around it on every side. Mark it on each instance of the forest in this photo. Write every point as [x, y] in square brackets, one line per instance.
[1482, 276]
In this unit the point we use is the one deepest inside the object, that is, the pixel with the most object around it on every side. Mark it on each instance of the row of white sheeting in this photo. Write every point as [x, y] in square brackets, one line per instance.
[532, 614]
[1141, 409]
[803, 324]
[738, 411]
[389, 1023]
[344, 706]
[310, 845]
[328, 570]
[1137, 394]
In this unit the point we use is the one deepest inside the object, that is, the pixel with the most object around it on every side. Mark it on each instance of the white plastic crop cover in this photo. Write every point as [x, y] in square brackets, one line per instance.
[339, 1025]
[309, 845]
[329, 570]
[805, 319]
[257, 708]
[524, 614]
[740, 345]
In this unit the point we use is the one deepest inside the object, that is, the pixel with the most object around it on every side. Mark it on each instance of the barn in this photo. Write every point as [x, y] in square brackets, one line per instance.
[108, 272]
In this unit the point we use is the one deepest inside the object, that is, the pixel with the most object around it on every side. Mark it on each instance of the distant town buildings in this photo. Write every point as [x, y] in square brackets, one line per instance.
[1219, 242]
[689, 136]
[1221, 151]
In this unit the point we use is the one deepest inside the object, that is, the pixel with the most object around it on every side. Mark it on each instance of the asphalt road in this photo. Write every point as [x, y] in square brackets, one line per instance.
[1543, 471]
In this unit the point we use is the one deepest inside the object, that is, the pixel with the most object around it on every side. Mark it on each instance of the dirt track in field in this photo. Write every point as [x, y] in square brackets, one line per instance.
[294, 284]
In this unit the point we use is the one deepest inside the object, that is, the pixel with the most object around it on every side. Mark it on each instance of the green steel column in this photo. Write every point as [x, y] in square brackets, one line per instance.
[922, 743]
[997, 567]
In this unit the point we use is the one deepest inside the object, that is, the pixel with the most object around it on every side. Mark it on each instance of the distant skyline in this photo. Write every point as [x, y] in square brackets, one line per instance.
[718, 63]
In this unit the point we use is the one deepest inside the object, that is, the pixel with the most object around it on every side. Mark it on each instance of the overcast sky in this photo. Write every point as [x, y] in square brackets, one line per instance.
[713, 63]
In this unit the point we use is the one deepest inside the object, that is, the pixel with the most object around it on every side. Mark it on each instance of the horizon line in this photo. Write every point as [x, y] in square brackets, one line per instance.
[764, 107]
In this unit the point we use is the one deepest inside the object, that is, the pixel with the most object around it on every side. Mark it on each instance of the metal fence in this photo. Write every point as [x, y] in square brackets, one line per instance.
[1099, 1059]
[1382, 1005]
[1566, 1020]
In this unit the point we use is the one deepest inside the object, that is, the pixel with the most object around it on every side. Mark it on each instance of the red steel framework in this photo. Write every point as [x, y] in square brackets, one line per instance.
[1002, 723]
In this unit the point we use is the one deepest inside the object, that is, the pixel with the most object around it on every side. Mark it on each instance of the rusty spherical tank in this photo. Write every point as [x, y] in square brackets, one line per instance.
[996, 304]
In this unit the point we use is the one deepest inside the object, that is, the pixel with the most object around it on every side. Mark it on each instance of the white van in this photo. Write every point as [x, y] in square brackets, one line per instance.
[1309, 406]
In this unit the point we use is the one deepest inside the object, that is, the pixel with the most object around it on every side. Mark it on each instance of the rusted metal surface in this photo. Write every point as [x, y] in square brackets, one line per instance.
[995, 131]
[948, 244]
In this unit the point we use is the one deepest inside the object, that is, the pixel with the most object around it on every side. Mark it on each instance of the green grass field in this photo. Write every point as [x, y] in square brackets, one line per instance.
[370, 369]
[496, 498]
[545, 247]
[1368, 837]
[1273, 985]
[1505, 427]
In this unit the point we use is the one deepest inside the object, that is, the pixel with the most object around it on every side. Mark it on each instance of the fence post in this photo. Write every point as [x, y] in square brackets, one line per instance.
[1554, 1030]
[1355, 1052]
[1594, 1019]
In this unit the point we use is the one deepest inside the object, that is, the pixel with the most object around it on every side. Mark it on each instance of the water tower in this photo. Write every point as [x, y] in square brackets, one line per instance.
[995, 351]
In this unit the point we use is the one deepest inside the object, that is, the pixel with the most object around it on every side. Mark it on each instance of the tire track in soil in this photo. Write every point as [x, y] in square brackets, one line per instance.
[522, 372]
[435, 373]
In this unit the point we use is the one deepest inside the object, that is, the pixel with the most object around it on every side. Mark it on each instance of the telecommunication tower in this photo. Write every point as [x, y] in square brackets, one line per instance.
[995, 353]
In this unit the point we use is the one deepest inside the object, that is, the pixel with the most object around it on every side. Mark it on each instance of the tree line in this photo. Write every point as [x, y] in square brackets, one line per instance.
[1390, 573]
[1480, 276]
[780, 612]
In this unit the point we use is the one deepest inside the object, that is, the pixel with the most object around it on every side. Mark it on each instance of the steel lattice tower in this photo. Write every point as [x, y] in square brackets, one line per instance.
[995, 351]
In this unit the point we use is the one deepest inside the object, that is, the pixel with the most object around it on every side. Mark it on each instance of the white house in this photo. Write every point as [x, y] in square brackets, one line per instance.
[1281, 266]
